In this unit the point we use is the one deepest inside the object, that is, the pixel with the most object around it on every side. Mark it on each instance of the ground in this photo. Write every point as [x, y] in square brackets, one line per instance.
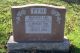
[72, 25]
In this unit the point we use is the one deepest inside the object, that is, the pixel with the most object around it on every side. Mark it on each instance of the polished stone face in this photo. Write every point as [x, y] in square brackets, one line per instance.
[38, 22]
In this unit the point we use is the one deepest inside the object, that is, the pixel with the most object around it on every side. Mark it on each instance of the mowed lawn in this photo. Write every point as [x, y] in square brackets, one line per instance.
[72, 25]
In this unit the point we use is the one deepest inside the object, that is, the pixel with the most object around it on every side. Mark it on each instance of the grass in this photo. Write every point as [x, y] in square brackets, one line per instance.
[72, 26]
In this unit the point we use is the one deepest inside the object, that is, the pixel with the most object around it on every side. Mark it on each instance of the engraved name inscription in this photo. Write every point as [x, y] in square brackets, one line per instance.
[38, 10]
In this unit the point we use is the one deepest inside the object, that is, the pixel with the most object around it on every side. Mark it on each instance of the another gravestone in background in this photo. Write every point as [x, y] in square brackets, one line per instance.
[38, 23]
[38, 26]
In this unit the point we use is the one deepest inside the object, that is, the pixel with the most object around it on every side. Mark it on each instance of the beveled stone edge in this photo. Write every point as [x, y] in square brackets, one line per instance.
[46, 5]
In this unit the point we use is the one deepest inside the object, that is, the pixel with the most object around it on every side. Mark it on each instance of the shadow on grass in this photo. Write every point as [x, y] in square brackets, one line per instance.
[72, 1]
[74, 49]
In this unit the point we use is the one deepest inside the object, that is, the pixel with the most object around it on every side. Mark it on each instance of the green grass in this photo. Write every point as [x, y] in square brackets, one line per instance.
[72, 26]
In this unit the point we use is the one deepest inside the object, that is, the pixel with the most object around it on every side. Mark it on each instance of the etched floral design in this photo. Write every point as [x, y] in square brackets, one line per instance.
[57, 14]
[19, 14]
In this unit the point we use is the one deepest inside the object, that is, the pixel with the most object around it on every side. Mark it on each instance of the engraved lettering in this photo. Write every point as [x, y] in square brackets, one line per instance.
[38, 24]
[38, 10]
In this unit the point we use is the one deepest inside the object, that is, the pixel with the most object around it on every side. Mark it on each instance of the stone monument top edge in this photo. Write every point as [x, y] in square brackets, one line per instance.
[44, 5]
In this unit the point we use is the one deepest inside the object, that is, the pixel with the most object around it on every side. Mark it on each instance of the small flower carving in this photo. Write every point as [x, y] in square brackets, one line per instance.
[19, 14]
[57, 14]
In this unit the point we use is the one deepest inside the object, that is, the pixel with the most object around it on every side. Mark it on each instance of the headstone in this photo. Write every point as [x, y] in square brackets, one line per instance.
[38, 22]
[38, 26]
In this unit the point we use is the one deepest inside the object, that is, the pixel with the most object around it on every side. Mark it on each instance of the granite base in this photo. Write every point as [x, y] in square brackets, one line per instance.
[15, 47]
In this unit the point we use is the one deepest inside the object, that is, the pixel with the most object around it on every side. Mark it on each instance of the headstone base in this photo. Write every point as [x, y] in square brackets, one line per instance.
[20, 47]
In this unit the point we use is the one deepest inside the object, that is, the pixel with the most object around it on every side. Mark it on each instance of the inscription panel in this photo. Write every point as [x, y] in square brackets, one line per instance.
[38, 24]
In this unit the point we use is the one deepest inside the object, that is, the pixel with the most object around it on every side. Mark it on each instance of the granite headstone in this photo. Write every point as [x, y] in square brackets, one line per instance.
[38, 27]
[38, 22]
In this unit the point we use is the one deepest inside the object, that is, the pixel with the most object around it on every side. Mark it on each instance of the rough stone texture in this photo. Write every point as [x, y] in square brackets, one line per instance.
[61, 46]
